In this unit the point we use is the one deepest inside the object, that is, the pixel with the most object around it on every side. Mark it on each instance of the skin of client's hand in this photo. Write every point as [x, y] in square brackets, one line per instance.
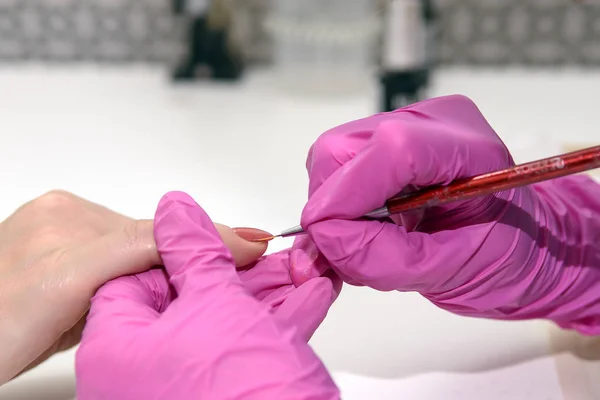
[55, 252]
[198, 328]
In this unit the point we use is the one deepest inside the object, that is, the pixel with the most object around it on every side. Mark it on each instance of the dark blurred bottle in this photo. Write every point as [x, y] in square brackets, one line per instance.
[211, 48]
[408, 52]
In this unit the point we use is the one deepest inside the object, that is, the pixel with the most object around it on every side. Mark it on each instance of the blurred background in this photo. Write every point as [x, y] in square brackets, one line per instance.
[120, 101]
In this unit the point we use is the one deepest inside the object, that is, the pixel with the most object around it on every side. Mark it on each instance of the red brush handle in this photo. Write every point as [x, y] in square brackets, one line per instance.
[517, 176]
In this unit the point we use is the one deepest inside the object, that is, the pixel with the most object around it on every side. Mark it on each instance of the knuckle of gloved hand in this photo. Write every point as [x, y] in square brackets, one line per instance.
[463, 101]
[395, 144]
[453, 102]
[328, 148]
[394, 135]
[496, 150]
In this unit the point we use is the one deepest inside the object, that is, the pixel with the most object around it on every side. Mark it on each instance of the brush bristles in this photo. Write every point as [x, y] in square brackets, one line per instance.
[265, 239]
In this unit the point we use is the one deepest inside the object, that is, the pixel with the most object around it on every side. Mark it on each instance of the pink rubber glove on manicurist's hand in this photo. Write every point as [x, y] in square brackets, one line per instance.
[214, 341]
[304, 307]
[522, 254]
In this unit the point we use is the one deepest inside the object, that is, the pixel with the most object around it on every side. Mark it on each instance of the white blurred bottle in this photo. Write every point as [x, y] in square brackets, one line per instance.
[407, 52]
[324, 47]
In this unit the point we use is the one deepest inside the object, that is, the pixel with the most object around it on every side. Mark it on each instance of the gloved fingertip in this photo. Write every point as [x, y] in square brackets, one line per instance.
[301, 268]
[306, 262]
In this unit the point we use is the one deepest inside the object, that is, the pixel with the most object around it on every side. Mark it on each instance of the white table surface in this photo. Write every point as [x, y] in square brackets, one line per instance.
[123, 137]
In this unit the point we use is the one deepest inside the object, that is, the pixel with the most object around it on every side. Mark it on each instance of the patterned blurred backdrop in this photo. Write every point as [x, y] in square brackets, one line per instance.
[526, 32]
[472, 32]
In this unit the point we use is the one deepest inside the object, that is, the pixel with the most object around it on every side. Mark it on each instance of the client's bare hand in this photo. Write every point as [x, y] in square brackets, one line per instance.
[55, 252]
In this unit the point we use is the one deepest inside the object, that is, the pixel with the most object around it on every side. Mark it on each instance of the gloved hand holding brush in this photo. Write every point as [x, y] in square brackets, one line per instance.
[526, 253]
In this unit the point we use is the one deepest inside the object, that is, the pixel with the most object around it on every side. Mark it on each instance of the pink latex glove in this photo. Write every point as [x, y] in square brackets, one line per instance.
[269, 280]
[208, 337]
[522, 254]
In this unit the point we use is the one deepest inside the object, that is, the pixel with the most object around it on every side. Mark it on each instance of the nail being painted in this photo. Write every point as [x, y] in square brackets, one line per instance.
[253, 235]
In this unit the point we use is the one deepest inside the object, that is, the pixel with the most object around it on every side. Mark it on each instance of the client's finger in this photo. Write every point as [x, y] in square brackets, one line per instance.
[244, 252]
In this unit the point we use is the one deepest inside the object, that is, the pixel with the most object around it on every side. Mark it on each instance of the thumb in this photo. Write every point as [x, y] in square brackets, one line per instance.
[193, 253]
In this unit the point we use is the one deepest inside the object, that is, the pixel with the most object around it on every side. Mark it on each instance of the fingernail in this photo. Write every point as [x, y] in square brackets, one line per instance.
[251, 234]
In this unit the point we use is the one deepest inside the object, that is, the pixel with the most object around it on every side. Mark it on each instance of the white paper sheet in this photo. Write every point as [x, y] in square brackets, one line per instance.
[534, 380]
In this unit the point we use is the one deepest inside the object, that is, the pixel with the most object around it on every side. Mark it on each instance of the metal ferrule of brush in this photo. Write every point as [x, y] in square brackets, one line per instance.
[292, 231]
[379, 213]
